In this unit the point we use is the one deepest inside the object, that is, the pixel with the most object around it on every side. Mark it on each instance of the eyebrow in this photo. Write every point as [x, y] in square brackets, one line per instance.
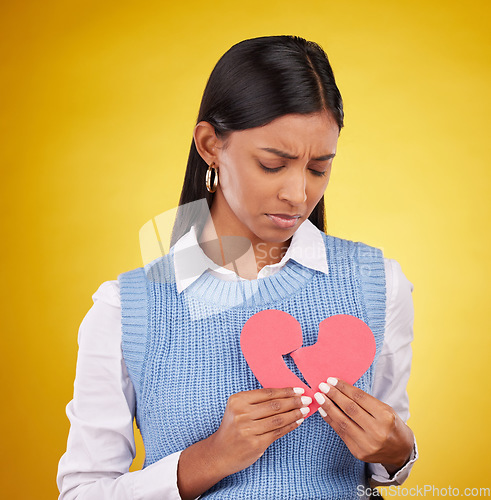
[289, 156]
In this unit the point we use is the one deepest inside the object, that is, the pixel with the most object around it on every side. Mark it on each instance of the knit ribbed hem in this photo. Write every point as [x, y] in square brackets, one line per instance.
[371, 273]
[133, 290]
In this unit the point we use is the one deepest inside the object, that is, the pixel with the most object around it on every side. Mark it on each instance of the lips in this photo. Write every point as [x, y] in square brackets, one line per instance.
[286, 216]
[284, 221]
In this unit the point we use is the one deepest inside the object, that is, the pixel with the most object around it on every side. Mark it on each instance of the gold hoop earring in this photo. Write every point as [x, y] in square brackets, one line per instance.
[213, 188]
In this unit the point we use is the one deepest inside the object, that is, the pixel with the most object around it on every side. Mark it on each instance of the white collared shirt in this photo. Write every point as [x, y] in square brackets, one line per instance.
[101, 446]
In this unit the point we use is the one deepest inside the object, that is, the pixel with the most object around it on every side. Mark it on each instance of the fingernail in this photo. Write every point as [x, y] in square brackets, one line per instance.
[304, 410]
[324, 387]
[298, 390]
[306, 400]
[332, 380]
[319, 398]
[322, 412]
[300, 421]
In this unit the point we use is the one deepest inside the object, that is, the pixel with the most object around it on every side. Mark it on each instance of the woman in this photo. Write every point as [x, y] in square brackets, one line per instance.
[162, 343]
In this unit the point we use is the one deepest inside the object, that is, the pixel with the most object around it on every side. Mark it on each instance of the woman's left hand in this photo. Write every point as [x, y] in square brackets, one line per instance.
[371, 430]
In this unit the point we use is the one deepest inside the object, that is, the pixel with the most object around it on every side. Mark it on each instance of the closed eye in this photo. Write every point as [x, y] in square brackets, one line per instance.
[270, 170]
[273, 170]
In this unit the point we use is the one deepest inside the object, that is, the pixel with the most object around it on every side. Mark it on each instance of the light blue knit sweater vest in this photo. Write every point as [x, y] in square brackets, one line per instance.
[183, 355]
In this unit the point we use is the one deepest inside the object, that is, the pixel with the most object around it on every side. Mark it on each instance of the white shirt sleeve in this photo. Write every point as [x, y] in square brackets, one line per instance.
[394, 364]
[101, 446]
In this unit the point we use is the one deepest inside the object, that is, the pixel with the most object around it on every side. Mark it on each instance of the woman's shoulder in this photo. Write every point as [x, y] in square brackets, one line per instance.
[398, 286]
[353, 247]
[397, 283]
[399, 306]
[393, 269]
[100, 329]
[109, 293]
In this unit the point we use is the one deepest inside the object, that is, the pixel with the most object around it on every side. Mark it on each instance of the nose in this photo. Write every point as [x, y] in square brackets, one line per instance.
[293, 188]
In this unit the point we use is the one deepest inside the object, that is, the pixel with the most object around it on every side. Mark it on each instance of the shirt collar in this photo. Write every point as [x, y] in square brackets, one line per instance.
[190, 262]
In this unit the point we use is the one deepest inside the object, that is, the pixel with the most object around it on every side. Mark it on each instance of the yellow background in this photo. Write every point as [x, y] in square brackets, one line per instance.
[98, 103]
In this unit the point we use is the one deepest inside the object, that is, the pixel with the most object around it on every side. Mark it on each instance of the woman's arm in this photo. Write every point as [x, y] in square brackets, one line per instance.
[251, 422]
[372, 429]
[101, 447]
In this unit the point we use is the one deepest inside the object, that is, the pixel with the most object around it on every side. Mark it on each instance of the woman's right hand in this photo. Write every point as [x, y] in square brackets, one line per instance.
[251, 422]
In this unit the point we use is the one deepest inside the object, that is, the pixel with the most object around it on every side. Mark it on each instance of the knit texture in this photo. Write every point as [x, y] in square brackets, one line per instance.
[183, 355]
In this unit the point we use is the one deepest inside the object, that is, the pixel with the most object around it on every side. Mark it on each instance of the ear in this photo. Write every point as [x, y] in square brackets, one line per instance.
[206, 141]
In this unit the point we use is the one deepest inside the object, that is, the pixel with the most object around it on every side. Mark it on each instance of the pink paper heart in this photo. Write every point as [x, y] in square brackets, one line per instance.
[345, 349]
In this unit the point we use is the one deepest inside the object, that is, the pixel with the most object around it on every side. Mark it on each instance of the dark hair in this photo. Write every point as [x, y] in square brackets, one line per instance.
[254, 82]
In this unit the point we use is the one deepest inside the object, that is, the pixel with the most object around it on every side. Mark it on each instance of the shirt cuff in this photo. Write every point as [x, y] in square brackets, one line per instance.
[380, 476]
[158, 480]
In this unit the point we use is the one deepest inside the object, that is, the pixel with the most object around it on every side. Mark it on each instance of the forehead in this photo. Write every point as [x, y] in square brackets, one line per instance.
[295, 133]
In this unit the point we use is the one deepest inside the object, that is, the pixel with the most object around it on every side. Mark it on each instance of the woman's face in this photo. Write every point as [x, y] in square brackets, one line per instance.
[272, 177]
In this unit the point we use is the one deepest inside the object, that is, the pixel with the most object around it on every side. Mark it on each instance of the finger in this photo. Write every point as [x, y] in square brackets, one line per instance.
[366, 401]
[268, 393]
[277, 406]
[349, 406]
[279, 421]
[348, 430]
[275, 434]
[340, 424]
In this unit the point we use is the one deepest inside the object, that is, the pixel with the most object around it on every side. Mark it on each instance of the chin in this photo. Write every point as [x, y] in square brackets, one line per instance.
[276, 235]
